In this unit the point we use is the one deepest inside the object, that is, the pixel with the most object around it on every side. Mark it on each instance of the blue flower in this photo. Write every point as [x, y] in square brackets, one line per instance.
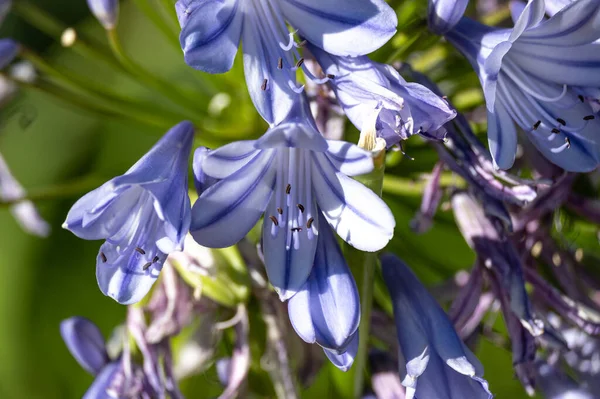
[8, 51]
[531, 76]
[212, 30]
[435, 363]
[443, 15]
[368, 91]
[143, 215]
[106, 11]
[291, 175]
[326, 310]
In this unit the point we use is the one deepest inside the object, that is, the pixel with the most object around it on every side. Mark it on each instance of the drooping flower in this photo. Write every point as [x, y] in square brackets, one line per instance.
[24, 211]
[143, 215]
[369, 91]
[106, 11]
[326, 310]
[291, 175]
[435, 363]
[443, 15]
[212, 30]
[531, 76]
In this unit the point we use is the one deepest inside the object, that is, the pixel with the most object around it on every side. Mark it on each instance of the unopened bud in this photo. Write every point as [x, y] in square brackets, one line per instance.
[106, 11]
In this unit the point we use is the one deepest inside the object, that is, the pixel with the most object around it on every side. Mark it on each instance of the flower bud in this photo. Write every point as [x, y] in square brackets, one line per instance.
[106, 11]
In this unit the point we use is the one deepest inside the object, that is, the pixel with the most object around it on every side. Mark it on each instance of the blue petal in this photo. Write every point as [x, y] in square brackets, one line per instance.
[287, 267]
[202, 180]
[344, 360]
[349, 159]
[554, 6]
[227, 160]
[8, 51]
[443, 15]
[270, 88]
[98, 388]
[211, 34]
[106, 11]
[357, 214]
[502, 137]
[342, 27]
[127, 275]
[227, 211]
[516, 9]
[85, 342]
[327, 310]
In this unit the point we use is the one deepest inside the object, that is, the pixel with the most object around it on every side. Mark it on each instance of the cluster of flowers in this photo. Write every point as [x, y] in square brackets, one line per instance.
[539, 76]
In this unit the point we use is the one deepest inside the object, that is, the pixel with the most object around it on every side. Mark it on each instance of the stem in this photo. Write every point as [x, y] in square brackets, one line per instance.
[159, 21]
[363, 265]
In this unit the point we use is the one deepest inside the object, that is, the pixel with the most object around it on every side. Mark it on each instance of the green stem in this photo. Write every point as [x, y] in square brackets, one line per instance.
[363, 265]
[159, 21]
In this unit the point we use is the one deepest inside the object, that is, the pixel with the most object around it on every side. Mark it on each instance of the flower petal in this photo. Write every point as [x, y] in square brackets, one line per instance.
[85, 342]
[127, 275]
[211, 34]
[8, 51]
[98, 388]
[330, 297]
[502, 137]
[344, 360]
[443, 15]
[348, 158]
[227, 160]
[342, 27]
[358, 215]
[288, 267]
[202, 180]
[227, 211]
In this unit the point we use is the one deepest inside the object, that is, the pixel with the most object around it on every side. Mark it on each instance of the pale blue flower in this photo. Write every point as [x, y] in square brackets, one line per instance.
[434, 363]
[212, 30]
[106, 11]
[291, 175]
[531, 75]
[143, 215]
[326, 310]
[443, 15]
[370, 92]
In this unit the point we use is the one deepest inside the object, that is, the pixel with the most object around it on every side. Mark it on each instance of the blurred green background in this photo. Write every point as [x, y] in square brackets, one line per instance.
[68, 150]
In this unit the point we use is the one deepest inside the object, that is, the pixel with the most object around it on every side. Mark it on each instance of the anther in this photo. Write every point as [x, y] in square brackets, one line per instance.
[301, 207]
[561, 121]
[280, 211]
[288, 189]
[156, 259]
[140, 250]
[274, 220]
[555, 131]
[580, 98]
[310, 222]
[294, 229]
[280, 63]
[263, 87]
[568, 142]
[536, 125]
[330, 76]
[300, 62]
[103, 257]
[146, 266]
[589, 118]
[302, 43]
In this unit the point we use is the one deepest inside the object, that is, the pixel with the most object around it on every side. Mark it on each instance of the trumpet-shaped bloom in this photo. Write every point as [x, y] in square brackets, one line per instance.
[326, 310]
[369, 91]
[531, 76]
[435, 362]
[212, 30]
[291, 175]
[443, 15]
[143, 215]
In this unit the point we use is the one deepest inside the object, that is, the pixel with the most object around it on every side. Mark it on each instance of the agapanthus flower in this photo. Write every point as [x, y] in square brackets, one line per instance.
[531, 75]
[443, 15]
[143, 215]
[23, 210]
[86, 343]
[370, 92]
[291, 175]
[434, 363]
[212, 30]
[326, 310]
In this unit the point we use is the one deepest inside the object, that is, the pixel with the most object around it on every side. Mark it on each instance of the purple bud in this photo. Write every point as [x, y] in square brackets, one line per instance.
[85, 342]
[106, 11]
[8, 51]
[444, 14]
